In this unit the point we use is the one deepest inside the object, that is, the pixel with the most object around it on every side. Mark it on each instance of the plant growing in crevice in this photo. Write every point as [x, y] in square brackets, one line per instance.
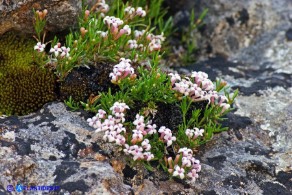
[144, 141]
[130, 37]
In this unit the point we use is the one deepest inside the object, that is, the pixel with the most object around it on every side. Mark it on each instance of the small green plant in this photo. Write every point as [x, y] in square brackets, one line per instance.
[188, 39]
[72, 104]
[104, 37]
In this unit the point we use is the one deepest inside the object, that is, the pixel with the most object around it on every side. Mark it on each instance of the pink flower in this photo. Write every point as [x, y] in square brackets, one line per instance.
[39, 47]
[185, 151]
[179, 172]
[140, 12]
[148, 156]
[145, 144]
[120, 140]
[65, 51]
[151, 129]
[136, 151]
[198, 132]
[132, 44]
[174, 78]
[129, 11]
[101, 114]
[193, 175]
[190, 133]
[169, 139]
[186, 162]
[139, 122]
[137, 136]
[56, 50]
[121, 70]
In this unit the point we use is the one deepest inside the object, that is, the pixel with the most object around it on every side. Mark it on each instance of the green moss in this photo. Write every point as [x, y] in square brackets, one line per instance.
[15, 52]
[22, 92]
[24, 88]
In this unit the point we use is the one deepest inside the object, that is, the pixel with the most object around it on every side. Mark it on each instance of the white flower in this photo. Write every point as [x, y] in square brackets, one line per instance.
[180, 172]
[65, 51]
[56, 50]
[140, 12]
[138, 33]
[39, 47]
[151, 129]
[145, 144]
[129, 10]
[190, 133]
[126, 30]
[185, 151]
[132, 44]
[193, 175]
[148, 156]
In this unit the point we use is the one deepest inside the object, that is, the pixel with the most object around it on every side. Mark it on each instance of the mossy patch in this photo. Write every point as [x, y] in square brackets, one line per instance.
[24, 87]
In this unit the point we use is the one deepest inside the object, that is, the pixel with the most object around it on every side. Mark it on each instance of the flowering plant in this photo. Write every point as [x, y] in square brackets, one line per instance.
[141, 139]
[104, 37]
[122, 34]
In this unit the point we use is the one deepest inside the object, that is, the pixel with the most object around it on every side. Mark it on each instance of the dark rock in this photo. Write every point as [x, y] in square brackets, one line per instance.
[243, 16]
[274, 188]
[285, 178]
[235, 181]
[230, 20]
[18, 15]
[289, 34]
[75, 186]
[23, 147]
[212, 192]
[70, 146]
[65, 170]
[217, 162]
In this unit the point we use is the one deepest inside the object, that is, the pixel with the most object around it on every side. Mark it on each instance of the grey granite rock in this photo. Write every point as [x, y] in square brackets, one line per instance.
[51, 148]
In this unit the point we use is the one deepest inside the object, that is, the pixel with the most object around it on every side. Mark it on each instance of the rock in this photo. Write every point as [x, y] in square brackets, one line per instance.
[18, 15]
[54, 148]
[232, 26]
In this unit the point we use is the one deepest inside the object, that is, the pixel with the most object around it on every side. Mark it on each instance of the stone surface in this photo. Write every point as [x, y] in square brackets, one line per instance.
[57, 147]
[18, 14]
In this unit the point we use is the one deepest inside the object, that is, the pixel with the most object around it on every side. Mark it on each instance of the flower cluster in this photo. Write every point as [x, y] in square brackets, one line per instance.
[115, 131]
[166, 135]
[58, 49]
[111, 124]
[194, 133]
[184, 165]
[101, 7]
[114, 24]
[155, 42]
[131, 12]
[198, 88]
[132, 44]
[122, 70]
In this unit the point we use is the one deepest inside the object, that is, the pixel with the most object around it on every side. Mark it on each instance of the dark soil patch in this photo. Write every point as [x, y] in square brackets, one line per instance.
[83, 82]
